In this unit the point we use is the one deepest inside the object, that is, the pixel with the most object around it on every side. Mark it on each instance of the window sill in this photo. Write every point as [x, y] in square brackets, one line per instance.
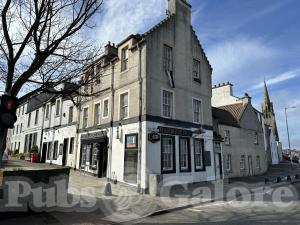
[197, 80]
[200, 170]
[185, 171]
[165, 117]
[124, 71]
[168, 172]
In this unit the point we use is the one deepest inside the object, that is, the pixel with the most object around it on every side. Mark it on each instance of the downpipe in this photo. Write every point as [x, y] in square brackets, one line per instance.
[140, 79]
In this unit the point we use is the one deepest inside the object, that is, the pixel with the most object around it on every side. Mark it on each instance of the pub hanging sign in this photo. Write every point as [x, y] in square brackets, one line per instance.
[154, 137]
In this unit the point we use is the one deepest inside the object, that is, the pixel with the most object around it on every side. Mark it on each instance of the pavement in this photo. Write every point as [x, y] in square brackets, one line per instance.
[128, 206]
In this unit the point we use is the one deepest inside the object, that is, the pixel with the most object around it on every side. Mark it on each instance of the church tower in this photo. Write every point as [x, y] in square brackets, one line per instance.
[268, 112]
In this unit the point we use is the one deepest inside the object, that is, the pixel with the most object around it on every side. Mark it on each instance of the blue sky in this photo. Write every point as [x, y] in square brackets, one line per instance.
[246, 41]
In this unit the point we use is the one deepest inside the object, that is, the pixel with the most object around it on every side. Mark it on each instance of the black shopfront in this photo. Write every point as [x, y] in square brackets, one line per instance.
[94, 153]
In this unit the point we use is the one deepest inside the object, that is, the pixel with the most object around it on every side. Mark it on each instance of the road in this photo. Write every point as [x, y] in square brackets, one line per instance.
[271, 205]
[239, 212]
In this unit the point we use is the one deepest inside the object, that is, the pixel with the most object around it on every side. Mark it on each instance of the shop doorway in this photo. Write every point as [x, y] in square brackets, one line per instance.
[44, 153]
[130, 166]
[131, 158]
[65, 152]
[102, 159]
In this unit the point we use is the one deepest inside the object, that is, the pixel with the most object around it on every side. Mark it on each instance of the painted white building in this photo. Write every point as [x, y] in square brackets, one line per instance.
[153, 112]
[27, 131]
[60, 132]
[49, 122]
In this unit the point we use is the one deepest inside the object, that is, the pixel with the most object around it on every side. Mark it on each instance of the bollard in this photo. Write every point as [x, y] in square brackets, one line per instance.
[288, 178]
[278, 180]
[107, 190]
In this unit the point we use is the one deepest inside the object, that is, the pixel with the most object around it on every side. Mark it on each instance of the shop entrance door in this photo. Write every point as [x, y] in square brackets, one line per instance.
[131, 158]
[102, 159]
[130, 166]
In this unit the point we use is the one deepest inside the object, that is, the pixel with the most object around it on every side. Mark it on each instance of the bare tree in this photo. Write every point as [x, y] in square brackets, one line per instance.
[42, 45]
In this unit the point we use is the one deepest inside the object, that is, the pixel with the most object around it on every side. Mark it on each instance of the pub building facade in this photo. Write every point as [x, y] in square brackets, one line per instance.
[150, 112]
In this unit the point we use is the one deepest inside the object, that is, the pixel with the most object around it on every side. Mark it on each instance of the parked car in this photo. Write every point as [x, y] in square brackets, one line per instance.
[286, 157]
[295, 159]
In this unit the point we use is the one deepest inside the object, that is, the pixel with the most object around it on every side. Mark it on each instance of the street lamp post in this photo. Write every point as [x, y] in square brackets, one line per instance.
[288, 133]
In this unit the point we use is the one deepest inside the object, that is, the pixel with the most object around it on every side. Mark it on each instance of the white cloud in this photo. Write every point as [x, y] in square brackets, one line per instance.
[278, 79]
[121, 18]
[233, 56]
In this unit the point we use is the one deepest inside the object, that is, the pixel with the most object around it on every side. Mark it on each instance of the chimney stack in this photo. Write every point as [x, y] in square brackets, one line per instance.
[180, 8]
[246, 99]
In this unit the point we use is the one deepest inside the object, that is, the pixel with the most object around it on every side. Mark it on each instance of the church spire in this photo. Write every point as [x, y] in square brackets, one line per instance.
[266, 95]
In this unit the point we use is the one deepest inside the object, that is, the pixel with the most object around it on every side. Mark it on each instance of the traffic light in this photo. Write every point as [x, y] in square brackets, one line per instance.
[8, 108]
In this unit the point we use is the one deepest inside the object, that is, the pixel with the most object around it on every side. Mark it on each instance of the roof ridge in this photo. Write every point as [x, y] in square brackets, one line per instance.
[158, 24]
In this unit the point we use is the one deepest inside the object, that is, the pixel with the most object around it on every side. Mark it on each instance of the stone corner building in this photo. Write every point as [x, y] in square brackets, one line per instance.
[244, 152]
[153, 112]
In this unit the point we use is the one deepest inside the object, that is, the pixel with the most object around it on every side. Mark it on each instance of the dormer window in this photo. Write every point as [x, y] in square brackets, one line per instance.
[124, 59]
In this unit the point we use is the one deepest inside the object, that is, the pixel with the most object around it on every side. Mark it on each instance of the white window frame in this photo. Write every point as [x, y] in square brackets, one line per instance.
[228, 162]
[202, 145]
[227, 137]
[123, 59]
[69, 119]
[162, 103]
[99, 113]
[201, 110]
[29, 120]
[258, 162]
[47, 114]
[171, 63]
[243, 162]
[103, 104]
[57, 112]
[184, 157]
[256, 138]
[87, 123]
[128, 104]
[170, 154]
[36, 118]
[199, 68]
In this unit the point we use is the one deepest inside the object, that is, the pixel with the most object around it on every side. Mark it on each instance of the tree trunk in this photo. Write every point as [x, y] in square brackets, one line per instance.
[3, 136]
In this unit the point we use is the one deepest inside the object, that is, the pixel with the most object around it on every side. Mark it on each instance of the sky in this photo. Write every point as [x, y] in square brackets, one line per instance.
[246, 41]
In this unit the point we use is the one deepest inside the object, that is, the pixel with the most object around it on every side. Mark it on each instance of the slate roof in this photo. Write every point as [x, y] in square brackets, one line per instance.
[236, 110]
[224, 117]
[37, 101]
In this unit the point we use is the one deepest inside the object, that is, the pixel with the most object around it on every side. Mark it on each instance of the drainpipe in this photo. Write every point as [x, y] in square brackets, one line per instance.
[140, 79]
[42, 133]
[112, 118]
[52, 145]
[77, 148]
